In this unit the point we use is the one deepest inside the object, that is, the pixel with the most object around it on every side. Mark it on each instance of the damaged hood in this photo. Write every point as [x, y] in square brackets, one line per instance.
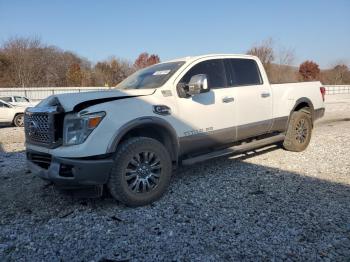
[79, 101]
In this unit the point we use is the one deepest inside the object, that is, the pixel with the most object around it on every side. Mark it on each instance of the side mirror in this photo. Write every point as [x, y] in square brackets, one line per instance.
[198, 84]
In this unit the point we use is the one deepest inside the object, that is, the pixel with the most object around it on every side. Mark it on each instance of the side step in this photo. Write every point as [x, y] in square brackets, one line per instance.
[234, 150]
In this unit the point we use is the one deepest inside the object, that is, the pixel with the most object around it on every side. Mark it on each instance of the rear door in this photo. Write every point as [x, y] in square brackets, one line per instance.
[253, 100]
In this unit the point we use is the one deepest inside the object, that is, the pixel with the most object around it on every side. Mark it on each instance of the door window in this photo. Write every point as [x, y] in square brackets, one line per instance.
[214, 69]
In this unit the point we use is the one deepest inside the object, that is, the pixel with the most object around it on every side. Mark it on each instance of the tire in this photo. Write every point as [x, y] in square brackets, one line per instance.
[19, 120]
[299, 132]
[141, 172]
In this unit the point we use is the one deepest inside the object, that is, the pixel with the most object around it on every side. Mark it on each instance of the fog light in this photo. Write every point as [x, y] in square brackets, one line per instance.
[66, 170]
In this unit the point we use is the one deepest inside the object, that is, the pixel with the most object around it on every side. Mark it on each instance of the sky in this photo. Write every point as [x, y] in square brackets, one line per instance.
[315, 30]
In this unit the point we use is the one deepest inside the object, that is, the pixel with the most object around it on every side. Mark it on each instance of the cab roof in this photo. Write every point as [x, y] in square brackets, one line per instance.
[193, 58]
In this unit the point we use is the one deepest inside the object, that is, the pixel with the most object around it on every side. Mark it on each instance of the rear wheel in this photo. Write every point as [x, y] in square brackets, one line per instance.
[141, 172]
[299, 132]
[19, 120]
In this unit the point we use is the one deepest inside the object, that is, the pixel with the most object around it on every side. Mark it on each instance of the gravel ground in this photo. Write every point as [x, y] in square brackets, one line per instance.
[267, 205]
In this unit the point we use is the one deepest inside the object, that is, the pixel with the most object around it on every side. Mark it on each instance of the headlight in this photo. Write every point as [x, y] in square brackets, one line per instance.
[78, 127]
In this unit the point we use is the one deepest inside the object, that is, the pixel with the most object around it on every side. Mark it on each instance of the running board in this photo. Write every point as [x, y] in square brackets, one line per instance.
[234, 150]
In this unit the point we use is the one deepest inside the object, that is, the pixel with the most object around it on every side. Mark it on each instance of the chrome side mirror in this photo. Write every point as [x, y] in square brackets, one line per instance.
[198, 84]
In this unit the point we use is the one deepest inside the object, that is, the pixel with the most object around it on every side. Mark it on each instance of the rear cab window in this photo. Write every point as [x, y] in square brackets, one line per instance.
[242, 72]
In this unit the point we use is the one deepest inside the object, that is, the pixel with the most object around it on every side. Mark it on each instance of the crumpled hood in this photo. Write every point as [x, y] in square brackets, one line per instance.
[78, 101]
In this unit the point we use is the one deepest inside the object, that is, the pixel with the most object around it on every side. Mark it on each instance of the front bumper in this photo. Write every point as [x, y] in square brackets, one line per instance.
[69, 172]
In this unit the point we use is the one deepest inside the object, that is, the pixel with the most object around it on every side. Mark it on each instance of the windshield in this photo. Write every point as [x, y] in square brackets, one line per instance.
[151, 77]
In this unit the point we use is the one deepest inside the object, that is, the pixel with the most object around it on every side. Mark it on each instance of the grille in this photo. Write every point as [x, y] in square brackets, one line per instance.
[38, 128]
[43, 126]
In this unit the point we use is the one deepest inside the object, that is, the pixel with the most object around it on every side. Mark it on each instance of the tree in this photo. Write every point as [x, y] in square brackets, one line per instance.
[309, 71]
[4, 69]
[339, 74]
[263, 51]
[112, 71]
[277, 64]
[74, 75]
[145, 60]
[27, 62]
[282, 71]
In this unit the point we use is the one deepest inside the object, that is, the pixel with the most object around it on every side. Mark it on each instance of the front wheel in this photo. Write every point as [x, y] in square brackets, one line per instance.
[141, 172]
[19, 120]
[299, 132]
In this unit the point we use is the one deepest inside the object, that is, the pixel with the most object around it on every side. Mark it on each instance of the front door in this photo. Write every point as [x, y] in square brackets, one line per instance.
[207, 119]
[5, 112]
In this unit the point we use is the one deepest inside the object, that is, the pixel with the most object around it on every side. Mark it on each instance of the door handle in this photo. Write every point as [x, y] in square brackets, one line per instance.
[228, 99]
[265, 94]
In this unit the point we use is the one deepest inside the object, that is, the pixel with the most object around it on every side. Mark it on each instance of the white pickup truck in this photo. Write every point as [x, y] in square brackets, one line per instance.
[174, 113]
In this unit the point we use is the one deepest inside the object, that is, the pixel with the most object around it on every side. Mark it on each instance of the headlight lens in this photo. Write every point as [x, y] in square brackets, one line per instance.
[78, 127]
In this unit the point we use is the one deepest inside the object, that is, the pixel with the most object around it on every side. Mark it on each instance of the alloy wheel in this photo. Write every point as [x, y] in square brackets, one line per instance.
[143, 172]
[301, 131]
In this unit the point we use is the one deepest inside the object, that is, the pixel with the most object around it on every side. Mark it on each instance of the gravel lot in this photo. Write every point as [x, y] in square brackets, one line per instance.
[269, 205]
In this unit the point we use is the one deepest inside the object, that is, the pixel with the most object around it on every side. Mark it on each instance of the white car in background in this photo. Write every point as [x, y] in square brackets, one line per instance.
[18, 101]
[11, 114]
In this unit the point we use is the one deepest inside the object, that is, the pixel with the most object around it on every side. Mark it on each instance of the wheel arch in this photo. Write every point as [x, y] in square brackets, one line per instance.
[16, 114]
[301, 104]
[153, 127]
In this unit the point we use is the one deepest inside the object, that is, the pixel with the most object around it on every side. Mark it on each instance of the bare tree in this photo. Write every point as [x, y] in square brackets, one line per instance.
[339, 73]
[74, 75]
[277, 64]
[112, 71]
[264, 51]
[31, 63]
[26, 64]
[282, 70]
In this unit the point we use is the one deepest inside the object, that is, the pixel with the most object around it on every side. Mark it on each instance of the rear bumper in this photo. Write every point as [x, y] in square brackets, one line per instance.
[68, 172]
[319, 113]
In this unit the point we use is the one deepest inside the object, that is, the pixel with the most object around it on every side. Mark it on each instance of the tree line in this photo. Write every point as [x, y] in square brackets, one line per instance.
[28, 62]
[278, 65]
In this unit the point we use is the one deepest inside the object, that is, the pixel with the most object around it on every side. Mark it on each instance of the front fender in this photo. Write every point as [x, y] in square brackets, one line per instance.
[142, 121]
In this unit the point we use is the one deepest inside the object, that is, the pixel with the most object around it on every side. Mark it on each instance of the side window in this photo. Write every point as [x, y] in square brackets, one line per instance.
[6, 99]
[214, 69]
[242, 72]
[20, 99]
